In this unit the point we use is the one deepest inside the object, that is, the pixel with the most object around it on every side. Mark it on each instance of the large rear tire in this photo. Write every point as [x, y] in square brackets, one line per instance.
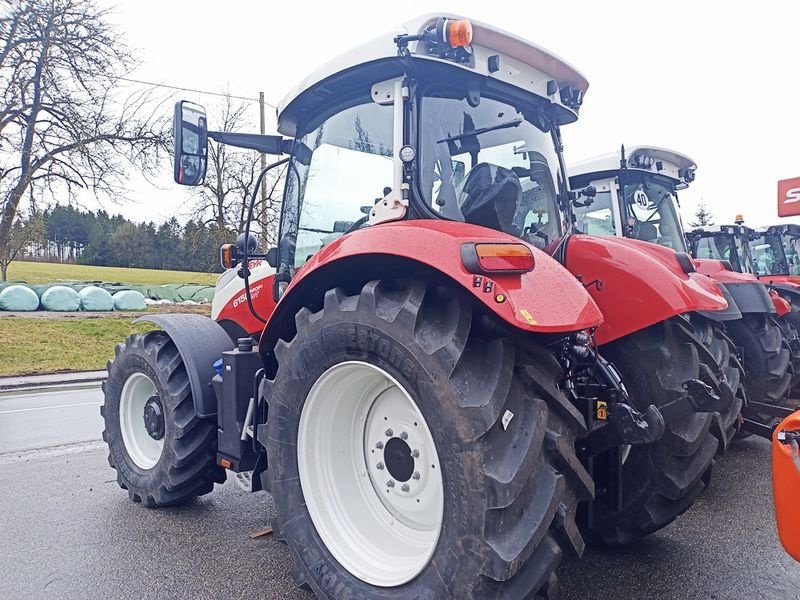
[495, 461]
[766, 359]
[164, 454]
[730, 372]
[660, 481]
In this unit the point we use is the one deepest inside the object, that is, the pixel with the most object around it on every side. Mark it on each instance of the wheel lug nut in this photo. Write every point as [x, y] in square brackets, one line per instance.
[405, 487]
[379, 466]
[390, 483]
[415, 476]
[389, 433]
[403, 435]
[415, 454]
[379, 445]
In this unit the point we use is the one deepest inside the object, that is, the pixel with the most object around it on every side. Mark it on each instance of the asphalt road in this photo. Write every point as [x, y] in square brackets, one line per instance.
[68, 531]
[49, 417]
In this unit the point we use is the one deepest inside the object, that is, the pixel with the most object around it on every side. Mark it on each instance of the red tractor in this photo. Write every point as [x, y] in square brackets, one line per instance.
[411, 372]
[637, 198]
[768, 338]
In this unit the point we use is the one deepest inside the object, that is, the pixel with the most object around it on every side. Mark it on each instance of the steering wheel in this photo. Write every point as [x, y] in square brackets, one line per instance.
[526, 233]
[356, 225]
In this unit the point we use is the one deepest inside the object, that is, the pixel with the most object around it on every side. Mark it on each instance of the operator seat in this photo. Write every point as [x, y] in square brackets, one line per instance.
[489, 196]
[647, 232]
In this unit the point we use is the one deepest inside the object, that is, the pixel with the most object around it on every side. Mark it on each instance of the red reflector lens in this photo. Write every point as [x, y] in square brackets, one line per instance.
[504, 257]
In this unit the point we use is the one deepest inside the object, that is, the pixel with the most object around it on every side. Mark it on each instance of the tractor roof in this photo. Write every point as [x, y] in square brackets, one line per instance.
[487, 40]
[708, 230]
[784, 229]
[673, 164]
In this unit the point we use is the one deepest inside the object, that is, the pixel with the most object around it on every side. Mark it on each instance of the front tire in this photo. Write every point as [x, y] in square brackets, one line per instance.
[164, 454]
[496, 462]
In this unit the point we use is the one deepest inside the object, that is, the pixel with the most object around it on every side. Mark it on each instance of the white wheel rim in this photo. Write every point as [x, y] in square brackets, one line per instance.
[358, 432]
[143, 449]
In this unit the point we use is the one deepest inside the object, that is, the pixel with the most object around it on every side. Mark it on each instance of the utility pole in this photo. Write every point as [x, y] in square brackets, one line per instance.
[264, 214]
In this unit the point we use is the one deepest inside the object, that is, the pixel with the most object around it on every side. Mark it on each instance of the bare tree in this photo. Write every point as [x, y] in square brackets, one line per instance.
[225, 196]
[67, 122]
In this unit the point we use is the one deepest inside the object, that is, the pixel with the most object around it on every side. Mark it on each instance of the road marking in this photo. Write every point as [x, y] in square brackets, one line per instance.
[52, 452]
[21, 410]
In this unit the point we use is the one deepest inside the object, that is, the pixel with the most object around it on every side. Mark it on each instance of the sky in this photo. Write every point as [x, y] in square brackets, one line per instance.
[716, 81]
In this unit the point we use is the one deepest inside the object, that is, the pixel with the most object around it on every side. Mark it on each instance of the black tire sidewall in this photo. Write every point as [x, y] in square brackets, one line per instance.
[128, 363]
[347, 337]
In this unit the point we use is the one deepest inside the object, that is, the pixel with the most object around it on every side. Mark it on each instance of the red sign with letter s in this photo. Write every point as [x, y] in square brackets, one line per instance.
[789, 197]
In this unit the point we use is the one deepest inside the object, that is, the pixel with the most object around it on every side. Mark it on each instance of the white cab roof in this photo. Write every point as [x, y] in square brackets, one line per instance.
[672, 162]
[484, 35]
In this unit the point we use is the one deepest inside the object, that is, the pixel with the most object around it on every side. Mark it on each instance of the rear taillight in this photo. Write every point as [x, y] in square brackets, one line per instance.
[497, 258]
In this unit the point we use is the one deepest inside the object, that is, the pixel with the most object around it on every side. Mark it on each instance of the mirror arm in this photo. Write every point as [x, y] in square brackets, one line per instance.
[267, 144]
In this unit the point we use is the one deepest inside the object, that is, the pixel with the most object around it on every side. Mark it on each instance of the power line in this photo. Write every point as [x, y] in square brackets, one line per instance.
[183, 89]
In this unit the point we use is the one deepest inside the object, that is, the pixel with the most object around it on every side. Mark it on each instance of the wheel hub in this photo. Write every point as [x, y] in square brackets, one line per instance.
[154, 418]
[398, 459]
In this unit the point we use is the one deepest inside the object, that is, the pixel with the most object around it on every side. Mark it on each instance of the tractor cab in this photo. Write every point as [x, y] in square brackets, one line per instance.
[636, 195]
[777, 251]
[728, 243]
[448, 119]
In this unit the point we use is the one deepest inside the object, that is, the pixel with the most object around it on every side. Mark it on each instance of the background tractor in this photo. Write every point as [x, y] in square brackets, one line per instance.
[411, 372]
[725, 251]
[637, 198]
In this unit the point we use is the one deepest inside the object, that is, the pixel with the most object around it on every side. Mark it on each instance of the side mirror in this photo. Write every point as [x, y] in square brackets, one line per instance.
[786, 482]
[272, 257]
[190, 135]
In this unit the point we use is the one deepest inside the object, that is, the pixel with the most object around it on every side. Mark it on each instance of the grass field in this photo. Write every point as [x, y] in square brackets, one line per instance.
[30, 346]
[33, 272]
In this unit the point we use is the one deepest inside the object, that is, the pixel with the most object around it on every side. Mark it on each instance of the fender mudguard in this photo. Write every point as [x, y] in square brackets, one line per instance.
[200, 342]
[748, 291]
[750, 297]
[637, 284]
[782, 305]
[729, 314]
[547, 299]
[788, 290]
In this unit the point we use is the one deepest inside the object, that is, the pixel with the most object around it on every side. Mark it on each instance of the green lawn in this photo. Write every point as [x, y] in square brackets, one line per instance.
[34, 273]
[30, 346]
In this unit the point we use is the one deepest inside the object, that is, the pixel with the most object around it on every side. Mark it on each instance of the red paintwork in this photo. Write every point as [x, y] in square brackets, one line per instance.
[238, 311]
[781, 305]
[643, 283]
[792, 281]
[545, 300]
[716, 270]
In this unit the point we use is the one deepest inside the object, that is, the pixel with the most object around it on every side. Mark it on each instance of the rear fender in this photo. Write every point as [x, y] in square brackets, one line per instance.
[637, 284]
[787, 290]
[731, 313]
[751, 296]
[748, 291]
[545, 300]
[781, 304]
[200, 342]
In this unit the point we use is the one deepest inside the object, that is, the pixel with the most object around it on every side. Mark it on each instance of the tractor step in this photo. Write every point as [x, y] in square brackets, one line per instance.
[245, 481]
